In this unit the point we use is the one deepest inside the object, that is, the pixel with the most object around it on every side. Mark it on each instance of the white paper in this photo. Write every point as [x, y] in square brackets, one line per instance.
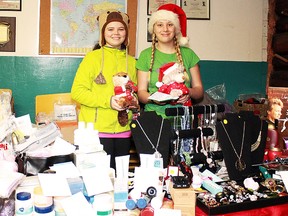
[59, 147]
[159, 96]
[42, 137]
[24, 124]
[29, 181]
[284, 176]
[54, 185]
[97, 180]
[66, 169]
[146, 177]
[147, 160]
[76, 205]
[122, 166]
[62, 147]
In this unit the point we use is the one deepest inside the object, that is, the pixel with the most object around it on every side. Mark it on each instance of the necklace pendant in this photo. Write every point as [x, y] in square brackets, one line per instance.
[240, 164]
[157, 154]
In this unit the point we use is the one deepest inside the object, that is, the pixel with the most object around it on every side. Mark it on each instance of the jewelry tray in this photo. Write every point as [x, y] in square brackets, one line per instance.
[246, 205]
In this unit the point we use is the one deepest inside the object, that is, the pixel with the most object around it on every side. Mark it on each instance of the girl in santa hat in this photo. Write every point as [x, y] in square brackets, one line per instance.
[169, 44]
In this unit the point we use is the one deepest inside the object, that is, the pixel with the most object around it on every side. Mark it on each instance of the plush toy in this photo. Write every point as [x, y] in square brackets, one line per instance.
[125, 88]
[171, 81]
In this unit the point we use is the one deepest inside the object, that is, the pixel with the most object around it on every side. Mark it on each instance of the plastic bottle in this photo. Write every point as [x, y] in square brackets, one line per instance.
[130, 204]
[103, 204]
[59, 211]
[40, 200]
[23, 204]
[143, 202]
[148, 211]
[44, 211]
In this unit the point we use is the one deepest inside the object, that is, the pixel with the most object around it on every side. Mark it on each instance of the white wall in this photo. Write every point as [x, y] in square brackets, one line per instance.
[237, 30]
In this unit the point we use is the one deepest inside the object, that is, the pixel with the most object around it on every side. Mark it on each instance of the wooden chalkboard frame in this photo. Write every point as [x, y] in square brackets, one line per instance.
[44, 30]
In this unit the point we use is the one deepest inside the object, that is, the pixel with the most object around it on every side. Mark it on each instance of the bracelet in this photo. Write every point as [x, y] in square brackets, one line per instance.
[277, 188]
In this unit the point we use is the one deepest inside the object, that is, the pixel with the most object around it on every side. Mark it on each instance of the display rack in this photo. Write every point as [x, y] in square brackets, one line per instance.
[195, 111]
[197, 131]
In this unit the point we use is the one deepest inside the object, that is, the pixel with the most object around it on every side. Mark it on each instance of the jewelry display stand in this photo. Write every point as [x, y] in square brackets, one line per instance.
[150, 130]
[242, 137]
[201, 129]
[259, 131]
[195, 111]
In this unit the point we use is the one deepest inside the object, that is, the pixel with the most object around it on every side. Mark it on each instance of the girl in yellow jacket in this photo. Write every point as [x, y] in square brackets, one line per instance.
[93, 87]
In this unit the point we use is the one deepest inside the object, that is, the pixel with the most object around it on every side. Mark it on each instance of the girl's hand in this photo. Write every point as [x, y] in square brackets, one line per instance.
[183, 99]
[114, 103]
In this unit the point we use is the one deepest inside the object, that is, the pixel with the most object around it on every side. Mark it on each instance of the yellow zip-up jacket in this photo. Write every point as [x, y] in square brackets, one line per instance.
[95, 98]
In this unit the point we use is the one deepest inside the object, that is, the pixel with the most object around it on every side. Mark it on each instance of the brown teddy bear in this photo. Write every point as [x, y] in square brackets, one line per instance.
[171, 81]
[125, 88]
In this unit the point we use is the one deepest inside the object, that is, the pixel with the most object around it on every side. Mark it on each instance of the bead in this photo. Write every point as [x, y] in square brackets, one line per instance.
[253, 198]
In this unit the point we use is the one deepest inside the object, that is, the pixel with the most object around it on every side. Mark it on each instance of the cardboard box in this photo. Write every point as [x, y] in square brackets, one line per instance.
[258, 109]
[67, 129]
[183, 196]
[282, 94]
[186, 210]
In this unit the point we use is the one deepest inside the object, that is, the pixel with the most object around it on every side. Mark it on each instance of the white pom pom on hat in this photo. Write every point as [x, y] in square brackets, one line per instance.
[177, 16]
[164, 70]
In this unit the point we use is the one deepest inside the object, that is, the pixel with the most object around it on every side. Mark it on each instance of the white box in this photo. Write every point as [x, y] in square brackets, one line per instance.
[89, 160]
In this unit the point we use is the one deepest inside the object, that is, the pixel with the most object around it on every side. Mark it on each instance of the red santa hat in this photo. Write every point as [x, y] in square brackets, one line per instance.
[176, 15]
[164, 70]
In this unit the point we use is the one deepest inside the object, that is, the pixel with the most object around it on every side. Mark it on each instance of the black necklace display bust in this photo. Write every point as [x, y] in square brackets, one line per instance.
[152, 134]
[242, 137]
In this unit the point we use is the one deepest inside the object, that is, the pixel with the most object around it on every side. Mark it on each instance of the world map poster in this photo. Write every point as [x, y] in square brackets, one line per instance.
[74, 25]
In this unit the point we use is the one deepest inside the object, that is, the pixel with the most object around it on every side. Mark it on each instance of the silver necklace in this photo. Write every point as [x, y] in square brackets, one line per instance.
[157, 154]
[255, 145]
[240, 163]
